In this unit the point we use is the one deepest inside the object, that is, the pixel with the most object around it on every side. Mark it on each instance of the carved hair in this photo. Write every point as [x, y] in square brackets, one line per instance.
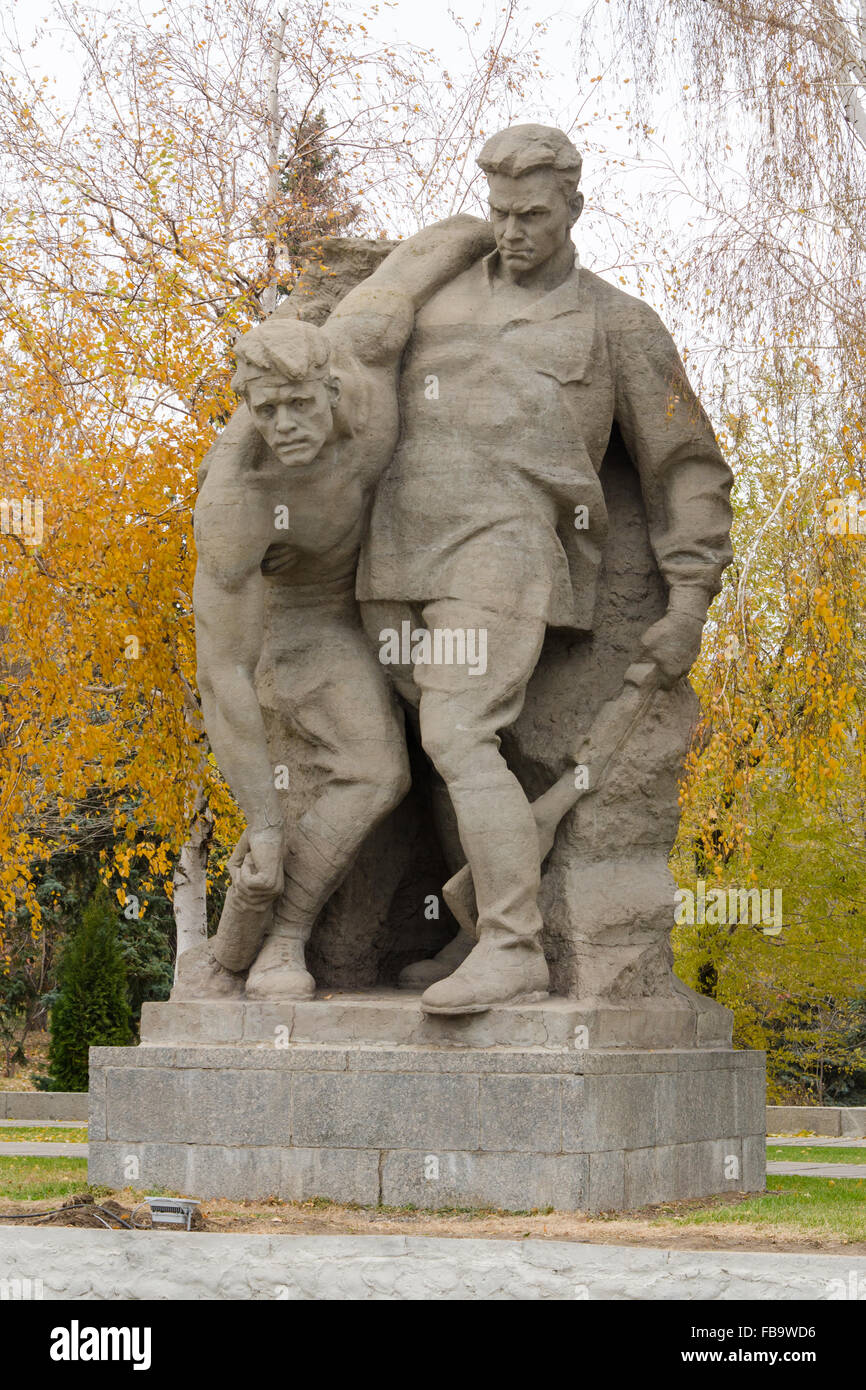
[523, 148]
[281, 347]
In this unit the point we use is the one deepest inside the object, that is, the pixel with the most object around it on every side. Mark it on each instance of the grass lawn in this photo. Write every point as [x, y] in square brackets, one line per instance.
[25, 1179]
[31, 1134]
[782, 1153]
[821, 1206]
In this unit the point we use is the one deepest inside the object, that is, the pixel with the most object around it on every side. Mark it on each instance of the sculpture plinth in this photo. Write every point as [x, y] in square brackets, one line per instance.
[393, 1018]
[314, 1100]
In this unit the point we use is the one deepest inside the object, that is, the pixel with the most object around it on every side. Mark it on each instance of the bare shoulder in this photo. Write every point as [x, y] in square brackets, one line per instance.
[238, 447]
[233, 518]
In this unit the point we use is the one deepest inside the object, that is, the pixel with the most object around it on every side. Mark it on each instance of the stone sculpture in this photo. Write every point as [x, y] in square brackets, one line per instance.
[462, 419]
[508, 449]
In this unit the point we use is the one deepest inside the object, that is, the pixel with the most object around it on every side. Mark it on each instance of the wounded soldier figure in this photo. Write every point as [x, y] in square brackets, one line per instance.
[319, 424]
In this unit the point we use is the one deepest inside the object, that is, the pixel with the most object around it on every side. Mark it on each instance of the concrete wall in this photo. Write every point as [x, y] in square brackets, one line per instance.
[834, 1121]
[43, 1106]
[75, 1264]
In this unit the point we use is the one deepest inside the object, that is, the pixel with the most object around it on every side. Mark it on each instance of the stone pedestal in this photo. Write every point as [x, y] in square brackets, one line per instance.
[363, 1099]
[393, 1016]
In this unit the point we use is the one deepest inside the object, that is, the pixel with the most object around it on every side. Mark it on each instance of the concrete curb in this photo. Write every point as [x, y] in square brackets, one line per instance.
[34, 1149]
[833, 1120]
[44, 1105]
[81, 1264]
[76, 1124]
[815, 1141]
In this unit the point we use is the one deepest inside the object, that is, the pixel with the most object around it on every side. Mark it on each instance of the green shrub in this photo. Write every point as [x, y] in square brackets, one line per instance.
[91, 1008]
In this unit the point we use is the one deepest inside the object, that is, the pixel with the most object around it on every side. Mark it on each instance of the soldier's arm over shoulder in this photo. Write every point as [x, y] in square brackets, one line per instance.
[685, 480]
[377, 315]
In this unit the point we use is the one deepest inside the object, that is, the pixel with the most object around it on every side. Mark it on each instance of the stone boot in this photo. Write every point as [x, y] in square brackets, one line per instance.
[422, 973]
[509, 970]
[200, 976]
[280, 970]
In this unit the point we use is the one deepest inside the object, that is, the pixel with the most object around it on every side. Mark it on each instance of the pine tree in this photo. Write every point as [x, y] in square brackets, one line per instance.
[316, 200]
[91, 1009]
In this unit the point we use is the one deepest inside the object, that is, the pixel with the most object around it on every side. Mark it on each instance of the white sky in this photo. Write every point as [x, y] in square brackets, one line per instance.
[619, 196]
[568, 95]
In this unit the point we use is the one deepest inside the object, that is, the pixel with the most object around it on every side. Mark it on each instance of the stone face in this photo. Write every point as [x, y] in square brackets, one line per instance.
[96, 1118]
[149, 1166]
[830, 1121]
[385, 1111]
[853, 1121]
[617, 1111]
[606, 1180]
[754, 1162]
[208, 1107]
[508, 1181]
[750, 1098]
[697, 1105]
[521, 1112]
[508, 1128]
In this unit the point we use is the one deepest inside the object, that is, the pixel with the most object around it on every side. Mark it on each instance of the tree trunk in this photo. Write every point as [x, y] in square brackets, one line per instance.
[190, 881]
[275, 125]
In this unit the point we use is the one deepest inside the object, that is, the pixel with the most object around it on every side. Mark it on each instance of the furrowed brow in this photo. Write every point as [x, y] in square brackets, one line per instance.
[271, 395]
[520, 209]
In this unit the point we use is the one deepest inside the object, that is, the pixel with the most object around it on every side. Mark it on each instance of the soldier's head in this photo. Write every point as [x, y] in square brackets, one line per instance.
[284, 375]
[532, 172]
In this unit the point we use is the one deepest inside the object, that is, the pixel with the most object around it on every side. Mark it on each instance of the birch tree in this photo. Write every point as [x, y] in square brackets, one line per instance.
[146, 222]
[759, 168]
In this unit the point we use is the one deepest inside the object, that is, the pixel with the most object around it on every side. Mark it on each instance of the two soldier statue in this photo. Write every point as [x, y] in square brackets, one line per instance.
[403, 507]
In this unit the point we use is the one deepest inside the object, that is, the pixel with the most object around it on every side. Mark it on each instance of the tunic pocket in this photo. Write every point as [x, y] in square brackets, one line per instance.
[560, 348]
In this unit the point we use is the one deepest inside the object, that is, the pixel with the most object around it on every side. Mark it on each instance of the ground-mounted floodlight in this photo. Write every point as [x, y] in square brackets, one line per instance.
[172, 1211]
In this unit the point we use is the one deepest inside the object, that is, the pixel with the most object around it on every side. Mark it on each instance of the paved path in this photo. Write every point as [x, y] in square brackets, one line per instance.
[818, 1170]
[46, 1150]
[787, 1141]
[43, 1124]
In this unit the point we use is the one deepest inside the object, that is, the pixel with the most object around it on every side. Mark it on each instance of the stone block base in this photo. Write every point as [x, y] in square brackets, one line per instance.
[391, 1016]
[514, 1128]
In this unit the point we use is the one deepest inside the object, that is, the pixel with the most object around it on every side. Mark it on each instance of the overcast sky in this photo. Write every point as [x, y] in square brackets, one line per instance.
[567, 98]
[622, 190]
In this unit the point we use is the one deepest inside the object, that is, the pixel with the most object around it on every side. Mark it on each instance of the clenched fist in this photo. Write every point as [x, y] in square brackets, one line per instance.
[256, 866]
[673, 644]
